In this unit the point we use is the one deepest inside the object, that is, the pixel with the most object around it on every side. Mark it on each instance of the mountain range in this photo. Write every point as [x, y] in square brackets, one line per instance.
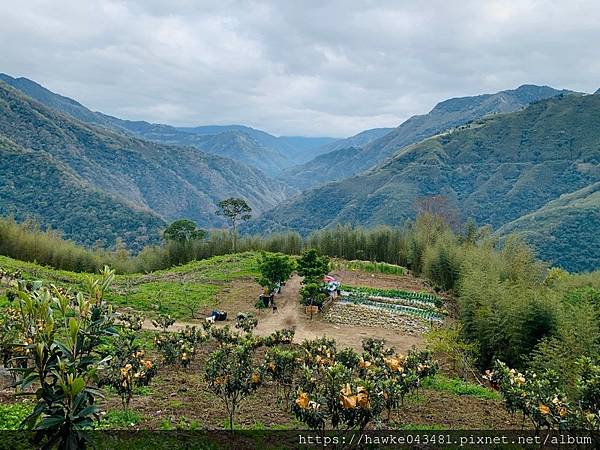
[355, 157]
[507, 170]
[238, 142]
[147, 180]
[525, 161]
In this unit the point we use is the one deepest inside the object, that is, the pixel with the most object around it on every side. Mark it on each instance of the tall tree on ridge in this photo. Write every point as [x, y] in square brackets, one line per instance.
[234, 210]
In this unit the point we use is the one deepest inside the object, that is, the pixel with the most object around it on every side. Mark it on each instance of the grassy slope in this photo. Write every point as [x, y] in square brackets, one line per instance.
[175, 290]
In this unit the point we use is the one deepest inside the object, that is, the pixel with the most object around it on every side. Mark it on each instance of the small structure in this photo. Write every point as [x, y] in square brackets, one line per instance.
[218, 315]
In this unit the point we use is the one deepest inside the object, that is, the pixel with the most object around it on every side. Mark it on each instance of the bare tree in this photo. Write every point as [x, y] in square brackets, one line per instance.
[439, 206]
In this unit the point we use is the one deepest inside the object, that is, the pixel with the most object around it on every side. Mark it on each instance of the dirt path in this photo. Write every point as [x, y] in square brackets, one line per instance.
[290, 313]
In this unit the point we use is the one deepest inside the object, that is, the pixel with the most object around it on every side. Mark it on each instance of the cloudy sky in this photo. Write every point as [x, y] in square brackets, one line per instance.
[319, 68]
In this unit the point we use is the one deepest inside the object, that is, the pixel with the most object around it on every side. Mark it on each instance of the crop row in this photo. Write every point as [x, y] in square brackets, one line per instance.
[401, 309]
[393, 300]
[396, 293]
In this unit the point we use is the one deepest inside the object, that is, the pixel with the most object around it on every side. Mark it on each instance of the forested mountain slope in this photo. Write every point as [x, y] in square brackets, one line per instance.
[315, 171]
[564, 231]
[36, 186]
[171, 181]
[445, 115]
[495, 170]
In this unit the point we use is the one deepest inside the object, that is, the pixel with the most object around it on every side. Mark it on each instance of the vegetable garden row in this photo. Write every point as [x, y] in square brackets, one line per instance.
[416, 304]
[396, 293]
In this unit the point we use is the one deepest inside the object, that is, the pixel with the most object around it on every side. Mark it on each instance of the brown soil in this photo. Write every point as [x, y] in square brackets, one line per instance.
[242, 295]
[180, 396]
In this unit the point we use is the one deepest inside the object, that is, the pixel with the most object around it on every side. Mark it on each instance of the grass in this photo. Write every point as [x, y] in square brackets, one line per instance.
[459, 387]
[374, 267]
[220, 268]
[119, 419]
[12, 414]
[33, 271]
[177, 291]
[167, 297]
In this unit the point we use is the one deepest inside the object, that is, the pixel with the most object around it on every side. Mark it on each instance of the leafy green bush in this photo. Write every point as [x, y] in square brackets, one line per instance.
[13, 414]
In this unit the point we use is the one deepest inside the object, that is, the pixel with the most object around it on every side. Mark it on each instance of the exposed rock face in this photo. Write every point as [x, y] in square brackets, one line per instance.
[351, 314]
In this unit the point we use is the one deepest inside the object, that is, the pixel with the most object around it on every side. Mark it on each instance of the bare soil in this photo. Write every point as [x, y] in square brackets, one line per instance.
[241, 296]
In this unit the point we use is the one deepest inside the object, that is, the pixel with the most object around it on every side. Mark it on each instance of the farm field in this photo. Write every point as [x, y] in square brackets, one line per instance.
[179, 398]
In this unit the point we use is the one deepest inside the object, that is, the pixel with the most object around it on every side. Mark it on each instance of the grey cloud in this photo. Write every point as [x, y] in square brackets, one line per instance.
[310, 67]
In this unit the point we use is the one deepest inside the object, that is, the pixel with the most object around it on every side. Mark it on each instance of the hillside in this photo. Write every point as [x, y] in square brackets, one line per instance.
[36, 186]
[564, 231]
[445, 115]
[313, 172]
[173, 182]
[295, 149]
[242, 147]
[495, 170]
[238, 142]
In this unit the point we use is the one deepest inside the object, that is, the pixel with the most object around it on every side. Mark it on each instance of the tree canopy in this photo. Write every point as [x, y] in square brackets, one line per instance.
[183, 230]
[312, 266]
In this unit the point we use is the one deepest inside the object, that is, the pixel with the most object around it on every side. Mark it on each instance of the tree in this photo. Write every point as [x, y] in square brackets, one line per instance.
[128, 368]
[282, 365]
[312, 295]
[439, 206]
[231, 374]
[183, 231]
[312, 266]
[61, 359]
[234, 210]
[274, 269]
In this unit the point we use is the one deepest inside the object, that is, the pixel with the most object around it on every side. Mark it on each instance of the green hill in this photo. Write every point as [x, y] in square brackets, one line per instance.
[445, 115]
[172, 182]
[494, 170]
[565, 230]
[36, 186]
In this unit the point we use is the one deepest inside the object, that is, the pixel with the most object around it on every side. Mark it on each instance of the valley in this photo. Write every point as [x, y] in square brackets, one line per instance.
[272, 225]
[472, 151]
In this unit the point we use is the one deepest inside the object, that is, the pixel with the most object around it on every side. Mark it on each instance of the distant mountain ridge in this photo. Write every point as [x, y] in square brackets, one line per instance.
[263, 151]
[316, 170]
[495, 170]
[445, 115]
[169, 182]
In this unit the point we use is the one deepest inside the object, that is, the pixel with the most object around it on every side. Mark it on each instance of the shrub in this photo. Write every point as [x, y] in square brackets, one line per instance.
[63, 362]
[231, 375]
[129, 367]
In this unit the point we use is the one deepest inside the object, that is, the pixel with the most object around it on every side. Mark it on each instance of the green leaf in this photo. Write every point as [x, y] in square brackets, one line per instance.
[50, 422]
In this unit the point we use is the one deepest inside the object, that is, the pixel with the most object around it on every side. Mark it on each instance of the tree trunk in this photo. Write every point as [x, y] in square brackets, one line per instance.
[234, 236]
[231, 414]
